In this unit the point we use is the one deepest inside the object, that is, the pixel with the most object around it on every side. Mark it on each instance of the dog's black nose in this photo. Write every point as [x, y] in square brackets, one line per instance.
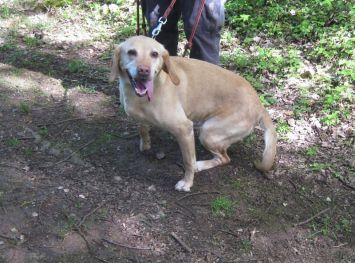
[143, 70]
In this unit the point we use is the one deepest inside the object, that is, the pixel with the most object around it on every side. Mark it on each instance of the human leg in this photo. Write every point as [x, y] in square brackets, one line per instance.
[205, 45]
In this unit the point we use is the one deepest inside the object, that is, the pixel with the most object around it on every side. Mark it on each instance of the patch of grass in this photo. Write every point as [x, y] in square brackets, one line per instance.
[43, 131]
[334, 96]
[28, 152]
[5, 12]
[8, 47]
[236, 184]
[75, 66]
[246, 245]
[302, 105]
[334, 226]
[317, 167]
[86, 90]
[31, 41]
[331, 118]
[312, 151]
[16, 71]
[12, 142]
[57, 3]
[68, 225]
[282, 128]
[267, 99]
[221, 206]
[344, 225]
[250, 139]
[24, 108]
[106, 137]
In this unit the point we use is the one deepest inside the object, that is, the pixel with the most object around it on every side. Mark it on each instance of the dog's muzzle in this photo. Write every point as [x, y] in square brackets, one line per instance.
[141, 87]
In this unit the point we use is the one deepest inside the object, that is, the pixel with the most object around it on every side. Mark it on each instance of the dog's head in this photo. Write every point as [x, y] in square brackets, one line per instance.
[141, 59]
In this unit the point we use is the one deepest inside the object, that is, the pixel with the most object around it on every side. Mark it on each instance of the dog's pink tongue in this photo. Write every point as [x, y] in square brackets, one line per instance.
[149, 86]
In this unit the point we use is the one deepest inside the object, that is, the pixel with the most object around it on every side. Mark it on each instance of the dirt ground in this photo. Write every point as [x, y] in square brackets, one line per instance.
[75, 188]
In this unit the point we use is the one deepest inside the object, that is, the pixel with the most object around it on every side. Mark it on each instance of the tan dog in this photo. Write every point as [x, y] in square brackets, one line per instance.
[173, 92]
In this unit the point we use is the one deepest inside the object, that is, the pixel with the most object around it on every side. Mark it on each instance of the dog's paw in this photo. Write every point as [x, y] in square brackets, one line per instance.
[183, 186]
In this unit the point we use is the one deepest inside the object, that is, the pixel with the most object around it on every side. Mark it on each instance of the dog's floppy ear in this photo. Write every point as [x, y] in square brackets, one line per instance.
[115, 64]
[167, 67]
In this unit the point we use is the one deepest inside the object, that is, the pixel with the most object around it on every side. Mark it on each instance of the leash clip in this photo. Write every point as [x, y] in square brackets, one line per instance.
[162, 21]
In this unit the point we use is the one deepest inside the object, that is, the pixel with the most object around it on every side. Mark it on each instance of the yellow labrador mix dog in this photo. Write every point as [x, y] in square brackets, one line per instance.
[173, 92]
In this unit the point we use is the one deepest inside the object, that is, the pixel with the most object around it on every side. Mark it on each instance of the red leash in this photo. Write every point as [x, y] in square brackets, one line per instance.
[169, 9]
[138, 29]
[193, 32]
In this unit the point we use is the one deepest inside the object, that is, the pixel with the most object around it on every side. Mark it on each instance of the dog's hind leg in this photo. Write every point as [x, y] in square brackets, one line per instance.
[217, 134]
[144, 143]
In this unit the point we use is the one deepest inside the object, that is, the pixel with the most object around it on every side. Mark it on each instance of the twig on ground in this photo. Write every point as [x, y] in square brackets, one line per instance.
[91, 252]
[228, 232]
[70, 155]
[86, 241]
[101, 259]
[60, 122]
[182, 243]
[180, 165]
[91, 212]
[11, 166]
[193, 216]
[183, 213]
[199, 193]
[125, 246]
[8, 238]
[340, 245]
[311, 218]
[299, 192]
[127, 136]
[346, 184]
[72, 119]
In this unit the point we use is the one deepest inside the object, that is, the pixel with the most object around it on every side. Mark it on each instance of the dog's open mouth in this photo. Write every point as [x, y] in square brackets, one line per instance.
[141, 87]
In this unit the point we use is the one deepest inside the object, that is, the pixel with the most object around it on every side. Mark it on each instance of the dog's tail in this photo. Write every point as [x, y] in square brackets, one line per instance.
[270, 144]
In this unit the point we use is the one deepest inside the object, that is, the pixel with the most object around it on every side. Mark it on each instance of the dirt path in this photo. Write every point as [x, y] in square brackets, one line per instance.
[75, 188]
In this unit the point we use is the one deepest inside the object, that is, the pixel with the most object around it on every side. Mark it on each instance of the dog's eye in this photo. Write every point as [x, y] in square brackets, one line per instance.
[132, 52]
[154, 54]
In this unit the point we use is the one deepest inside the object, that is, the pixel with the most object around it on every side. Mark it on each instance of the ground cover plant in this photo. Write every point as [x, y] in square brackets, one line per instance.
[75, 188]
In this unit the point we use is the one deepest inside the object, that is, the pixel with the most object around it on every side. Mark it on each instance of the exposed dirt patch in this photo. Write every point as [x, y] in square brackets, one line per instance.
[113, 204]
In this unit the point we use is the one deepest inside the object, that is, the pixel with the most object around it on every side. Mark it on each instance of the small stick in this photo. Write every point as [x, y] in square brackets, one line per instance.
[299, 192]
[101, 259]
[70, 155]
[10, 166]
[346, 184]
[311, 218]
[8, 238]
[228, 232]
[199, 193]
[182, 243]
[193, 216]
[91, 212]
[73, 119]
[125, 246]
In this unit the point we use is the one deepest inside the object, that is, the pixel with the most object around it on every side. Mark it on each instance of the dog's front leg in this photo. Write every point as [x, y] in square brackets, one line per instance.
[144, 143]
[185, 137]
